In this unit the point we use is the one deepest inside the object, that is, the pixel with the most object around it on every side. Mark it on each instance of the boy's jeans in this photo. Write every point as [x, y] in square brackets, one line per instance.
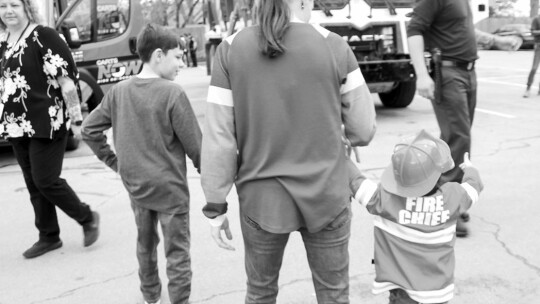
[327, 253]
[176, 237]
[399, 296]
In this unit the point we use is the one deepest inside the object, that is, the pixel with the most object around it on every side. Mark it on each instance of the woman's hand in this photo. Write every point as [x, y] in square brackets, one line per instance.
[76, 131]
[216, 234]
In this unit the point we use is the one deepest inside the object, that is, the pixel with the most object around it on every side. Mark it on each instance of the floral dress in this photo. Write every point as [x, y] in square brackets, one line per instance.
[32, 104]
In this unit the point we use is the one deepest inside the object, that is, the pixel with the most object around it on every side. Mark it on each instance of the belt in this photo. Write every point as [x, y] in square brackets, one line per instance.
[469, 66]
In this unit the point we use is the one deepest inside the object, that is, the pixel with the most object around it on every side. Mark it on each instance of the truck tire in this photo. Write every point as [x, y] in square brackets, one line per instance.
[94, 100]
[401, 96]
[97, 94]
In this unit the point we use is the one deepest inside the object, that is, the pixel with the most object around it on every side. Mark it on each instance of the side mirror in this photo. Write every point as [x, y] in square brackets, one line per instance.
[69, 30]
[133, 45]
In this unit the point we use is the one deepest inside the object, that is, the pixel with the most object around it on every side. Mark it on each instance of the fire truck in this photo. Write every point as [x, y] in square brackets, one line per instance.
[374, 29]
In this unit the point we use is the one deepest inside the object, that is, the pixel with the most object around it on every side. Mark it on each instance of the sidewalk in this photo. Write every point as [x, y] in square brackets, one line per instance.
[487, 272]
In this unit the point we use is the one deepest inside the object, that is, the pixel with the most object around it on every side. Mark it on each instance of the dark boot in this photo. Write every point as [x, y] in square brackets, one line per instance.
[40, 248]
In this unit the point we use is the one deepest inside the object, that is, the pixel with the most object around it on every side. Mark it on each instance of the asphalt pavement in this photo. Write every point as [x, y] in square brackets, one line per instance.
[498, 263]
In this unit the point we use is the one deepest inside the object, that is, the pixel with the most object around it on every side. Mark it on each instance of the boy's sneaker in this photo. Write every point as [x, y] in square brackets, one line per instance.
[40, 248]
[153, 302]
[91, 230]
[527, 94]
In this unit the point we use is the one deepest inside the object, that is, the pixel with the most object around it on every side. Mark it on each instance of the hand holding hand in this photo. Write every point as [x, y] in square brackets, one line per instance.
[216, 234]
[466, 162]
[76, 131]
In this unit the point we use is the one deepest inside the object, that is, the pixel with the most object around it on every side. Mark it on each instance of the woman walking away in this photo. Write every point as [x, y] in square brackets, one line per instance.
[279, 94]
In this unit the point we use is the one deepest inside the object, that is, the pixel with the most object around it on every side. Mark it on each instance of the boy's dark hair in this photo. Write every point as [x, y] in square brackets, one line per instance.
[153, 37]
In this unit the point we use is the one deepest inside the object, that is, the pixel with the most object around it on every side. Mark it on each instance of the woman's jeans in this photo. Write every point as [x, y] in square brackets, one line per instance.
[327, 253]
[41, 162]
[176, 235]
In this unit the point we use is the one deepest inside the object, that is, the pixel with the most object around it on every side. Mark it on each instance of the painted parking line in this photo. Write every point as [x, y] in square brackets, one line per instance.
[502, 77]
[502, 68]
[495, 113]
[502, 82]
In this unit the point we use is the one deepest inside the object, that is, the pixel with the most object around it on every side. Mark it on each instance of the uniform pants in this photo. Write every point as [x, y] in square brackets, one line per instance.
[41, 162]
[327, 254]
[455, 113]
[536, 61]
[176, 239]
[194, 58]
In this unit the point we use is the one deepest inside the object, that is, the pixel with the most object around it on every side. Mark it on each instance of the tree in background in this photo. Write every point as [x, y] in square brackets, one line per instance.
[176, 13]
[534, 8]
[502, 8]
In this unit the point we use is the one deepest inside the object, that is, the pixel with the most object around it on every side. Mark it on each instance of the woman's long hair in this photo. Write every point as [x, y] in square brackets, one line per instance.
[273, 17]
[31, 10]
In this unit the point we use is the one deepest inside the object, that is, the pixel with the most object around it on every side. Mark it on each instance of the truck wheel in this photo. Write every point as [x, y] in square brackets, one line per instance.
[91, 93]
[94, 101]
[401, 96]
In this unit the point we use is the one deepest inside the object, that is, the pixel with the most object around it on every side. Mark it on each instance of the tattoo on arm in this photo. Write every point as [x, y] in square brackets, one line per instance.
[73, 105]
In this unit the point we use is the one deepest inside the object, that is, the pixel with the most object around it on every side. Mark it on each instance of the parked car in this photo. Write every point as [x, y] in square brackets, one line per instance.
[521, 30]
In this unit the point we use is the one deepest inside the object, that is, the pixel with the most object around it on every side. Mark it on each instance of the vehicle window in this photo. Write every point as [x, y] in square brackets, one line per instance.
[81, 16]
[113, 18]
[112, 15]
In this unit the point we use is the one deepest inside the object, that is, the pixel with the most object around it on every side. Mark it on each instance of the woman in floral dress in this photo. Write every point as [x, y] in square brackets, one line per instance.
[38, 98]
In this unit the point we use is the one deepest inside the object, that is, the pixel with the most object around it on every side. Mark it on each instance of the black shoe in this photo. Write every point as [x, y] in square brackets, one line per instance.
[40, 248]
[91, 230]
[465, 217]
[461, 228]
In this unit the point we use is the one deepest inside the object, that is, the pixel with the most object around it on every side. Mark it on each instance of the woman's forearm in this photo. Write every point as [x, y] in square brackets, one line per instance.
[71, 98]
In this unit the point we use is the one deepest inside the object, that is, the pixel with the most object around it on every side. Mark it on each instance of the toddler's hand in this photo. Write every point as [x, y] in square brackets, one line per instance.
[466, 162]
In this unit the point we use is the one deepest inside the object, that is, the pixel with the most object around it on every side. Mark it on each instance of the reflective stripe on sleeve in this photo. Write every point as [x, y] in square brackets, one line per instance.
[220, 96]
[473, 194]
[429, 296]
[354, 80]
[365, 192]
